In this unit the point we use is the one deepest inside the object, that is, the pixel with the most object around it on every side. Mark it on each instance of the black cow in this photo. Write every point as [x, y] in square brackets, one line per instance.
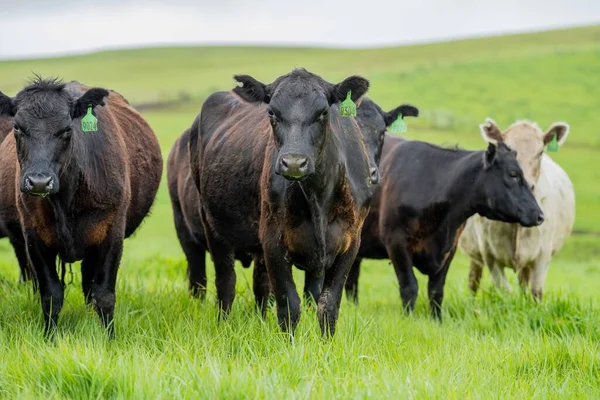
[78, 192]
[426, 196]
[281, 176]
[185, 202]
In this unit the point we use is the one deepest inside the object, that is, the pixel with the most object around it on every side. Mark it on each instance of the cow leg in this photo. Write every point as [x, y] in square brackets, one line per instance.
[498, 277]
[524, 277]
[352, 281]
[195, 254]
[260, 285]
[43, 261]
[402, 261]
[333, 286]
[88, 273]
[538, 277]
[435, 290]
[102, 261]
[282, 281]
[312, 287]
[475, 272]
[196, 269]
[21, 254]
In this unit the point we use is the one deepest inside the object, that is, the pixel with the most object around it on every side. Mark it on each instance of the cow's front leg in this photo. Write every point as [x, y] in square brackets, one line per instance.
[282, 282]
[333, 286]
[43, 262]
[102, 261]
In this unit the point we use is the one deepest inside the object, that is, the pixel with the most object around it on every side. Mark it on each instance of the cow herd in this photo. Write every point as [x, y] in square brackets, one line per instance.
[298, 172]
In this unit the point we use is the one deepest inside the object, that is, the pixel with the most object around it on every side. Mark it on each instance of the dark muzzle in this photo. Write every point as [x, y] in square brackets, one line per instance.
[293, 166]
[38, 184]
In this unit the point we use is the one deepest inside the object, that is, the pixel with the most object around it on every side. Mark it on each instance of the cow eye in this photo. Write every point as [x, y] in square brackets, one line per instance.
[18, 130]
[323, 115]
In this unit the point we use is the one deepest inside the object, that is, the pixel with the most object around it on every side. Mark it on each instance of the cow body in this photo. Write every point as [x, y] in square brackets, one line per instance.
[528, 251]
[282, 178]
[427, 194]
[95, 190]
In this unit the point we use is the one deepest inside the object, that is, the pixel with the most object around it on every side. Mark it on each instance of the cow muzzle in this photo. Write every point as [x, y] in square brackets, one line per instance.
[294, 166]
[38, 184]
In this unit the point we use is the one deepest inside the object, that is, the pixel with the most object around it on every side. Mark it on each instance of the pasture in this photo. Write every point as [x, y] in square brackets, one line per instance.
[495, 345]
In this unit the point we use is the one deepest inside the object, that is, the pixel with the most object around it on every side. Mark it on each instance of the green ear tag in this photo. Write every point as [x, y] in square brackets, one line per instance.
[553, 145]
[348, 107]
[89, 123]
[399, 125]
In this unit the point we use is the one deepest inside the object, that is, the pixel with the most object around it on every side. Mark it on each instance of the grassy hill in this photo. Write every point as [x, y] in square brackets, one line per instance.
[494, 345]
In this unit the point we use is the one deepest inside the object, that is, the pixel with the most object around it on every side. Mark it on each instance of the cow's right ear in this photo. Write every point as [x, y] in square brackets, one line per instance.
[490, 132]
[251, 90]
[93, 97]
[405, 110]
[7, 108]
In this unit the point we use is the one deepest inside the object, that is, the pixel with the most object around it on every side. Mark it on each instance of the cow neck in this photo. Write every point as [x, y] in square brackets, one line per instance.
[462, 189]
[62, 202]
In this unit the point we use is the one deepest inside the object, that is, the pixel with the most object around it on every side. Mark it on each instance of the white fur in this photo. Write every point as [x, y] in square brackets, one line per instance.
[528, 251]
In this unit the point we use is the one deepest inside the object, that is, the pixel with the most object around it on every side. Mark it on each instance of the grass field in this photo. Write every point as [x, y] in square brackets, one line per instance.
[493, 346]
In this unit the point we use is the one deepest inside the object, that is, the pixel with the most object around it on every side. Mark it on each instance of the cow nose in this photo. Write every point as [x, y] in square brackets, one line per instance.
[293, 166]
[374, 175]
[38, 184]
[540, 218]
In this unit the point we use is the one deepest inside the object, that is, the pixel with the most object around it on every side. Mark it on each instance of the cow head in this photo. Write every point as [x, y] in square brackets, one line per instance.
[505, 194]
[373, 123]
[528, 140]
[299, 110]
[43, 126]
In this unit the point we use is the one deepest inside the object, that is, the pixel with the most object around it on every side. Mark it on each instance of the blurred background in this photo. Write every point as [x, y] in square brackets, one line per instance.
[458, 61]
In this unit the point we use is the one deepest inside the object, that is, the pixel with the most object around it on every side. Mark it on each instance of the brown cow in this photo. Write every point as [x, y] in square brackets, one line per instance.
[78, 194]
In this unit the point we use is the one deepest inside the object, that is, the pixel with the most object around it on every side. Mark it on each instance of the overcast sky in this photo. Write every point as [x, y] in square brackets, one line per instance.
[52, 27]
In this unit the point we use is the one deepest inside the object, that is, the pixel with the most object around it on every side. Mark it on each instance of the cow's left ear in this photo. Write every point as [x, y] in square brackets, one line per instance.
[358, 85]
[93, 97]
[405, 110]
[558, 129]
[7, 108]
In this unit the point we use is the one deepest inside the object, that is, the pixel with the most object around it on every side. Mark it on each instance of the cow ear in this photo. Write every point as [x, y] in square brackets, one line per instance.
[490, 155]
[358, 85]
[405, 110]
[7, 107]
[93, 97]
[251, 90]
[558, 129]
[490, 131]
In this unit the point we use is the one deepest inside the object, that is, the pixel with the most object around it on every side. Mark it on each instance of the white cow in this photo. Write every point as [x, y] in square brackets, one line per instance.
[528, 251]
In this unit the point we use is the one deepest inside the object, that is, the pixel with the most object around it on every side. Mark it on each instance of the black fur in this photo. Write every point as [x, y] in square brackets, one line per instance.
[7, 108]
[94, 97]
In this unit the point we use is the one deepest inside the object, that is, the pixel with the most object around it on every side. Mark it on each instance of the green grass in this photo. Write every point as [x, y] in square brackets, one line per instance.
[496, 345]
